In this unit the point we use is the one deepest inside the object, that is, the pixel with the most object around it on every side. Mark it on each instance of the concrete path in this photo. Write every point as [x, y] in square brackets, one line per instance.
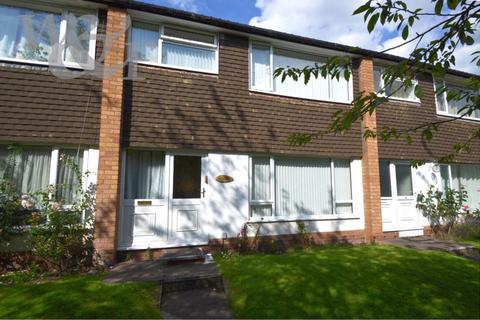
[425, 243]
[188, 291]
[196, 304]
[158, 270]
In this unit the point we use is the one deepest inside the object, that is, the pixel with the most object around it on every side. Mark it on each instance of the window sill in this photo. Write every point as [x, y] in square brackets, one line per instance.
[404, 100]
[272, 93]
[304, 218]
[164, 66]
[444, 114]
[46, 64]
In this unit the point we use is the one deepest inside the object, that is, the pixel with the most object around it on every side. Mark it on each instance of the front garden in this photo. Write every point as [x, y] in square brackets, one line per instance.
[81, 296]
[373, 281]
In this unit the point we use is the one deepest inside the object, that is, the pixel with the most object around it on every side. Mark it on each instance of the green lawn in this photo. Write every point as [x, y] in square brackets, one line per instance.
[79, 297]
[353, 282]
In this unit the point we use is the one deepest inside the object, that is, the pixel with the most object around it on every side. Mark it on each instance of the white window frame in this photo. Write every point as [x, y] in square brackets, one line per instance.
[59, 60]
[444, 96]
[392, 171]
[272, 91]
[54, 160]
[382, 84]
[271, 202]
[168, 39]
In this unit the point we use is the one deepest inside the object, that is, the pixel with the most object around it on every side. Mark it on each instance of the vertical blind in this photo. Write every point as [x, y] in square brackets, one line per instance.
[179, 48]
[316, 88]
[179, 55]
[145, 174]
[343, 187]
[261, 73]
[29, 168]
[303, 187]
[261, 179]
[67, 181]
[468, 176]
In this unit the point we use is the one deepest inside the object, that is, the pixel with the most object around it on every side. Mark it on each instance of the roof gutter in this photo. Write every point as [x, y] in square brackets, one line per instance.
[244, 28]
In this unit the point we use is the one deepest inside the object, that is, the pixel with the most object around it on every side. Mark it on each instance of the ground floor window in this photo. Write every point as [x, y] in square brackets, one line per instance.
[34, 168]
[466, 176]
[283, 186]
[144, 174]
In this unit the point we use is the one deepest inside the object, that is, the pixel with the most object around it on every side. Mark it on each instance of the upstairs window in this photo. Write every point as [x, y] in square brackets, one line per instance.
[174, 47]
[56, 37]
[452, 107]
[394, 90]
[265, 60]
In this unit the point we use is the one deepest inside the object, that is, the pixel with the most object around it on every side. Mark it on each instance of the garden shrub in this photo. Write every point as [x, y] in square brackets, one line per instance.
[59, 236]
[442, 209]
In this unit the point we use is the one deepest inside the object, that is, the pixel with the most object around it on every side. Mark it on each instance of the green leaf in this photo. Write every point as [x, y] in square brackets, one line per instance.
[383, 16]
[469, 40]
[438, 7]
[411, 20]
[372, 22]
[418, 91]
[362, 8]
[427, 134]
[405, 33]
[452, 4]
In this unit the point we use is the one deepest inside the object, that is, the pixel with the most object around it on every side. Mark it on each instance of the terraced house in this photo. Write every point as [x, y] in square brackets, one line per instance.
[180, 121]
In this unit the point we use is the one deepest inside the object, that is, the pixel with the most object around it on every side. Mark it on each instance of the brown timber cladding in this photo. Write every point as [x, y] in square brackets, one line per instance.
[407, 115]
[173, 109]
[37, 107]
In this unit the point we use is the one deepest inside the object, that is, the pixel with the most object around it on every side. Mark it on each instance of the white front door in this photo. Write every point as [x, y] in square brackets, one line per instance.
[163, 200]
[187, 194]
[398, 199]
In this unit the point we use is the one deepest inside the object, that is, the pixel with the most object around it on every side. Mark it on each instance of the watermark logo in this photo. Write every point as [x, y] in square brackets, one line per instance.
[68, 44]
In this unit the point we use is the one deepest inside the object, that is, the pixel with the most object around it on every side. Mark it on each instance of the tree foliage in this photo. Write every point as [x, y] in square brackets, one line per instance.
[456, 26]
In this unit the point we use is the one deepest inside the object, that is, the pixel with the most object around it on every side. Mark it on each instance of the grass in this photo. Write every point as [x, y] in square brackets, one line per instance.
[353, 282]
[473, 241]
[79, 297]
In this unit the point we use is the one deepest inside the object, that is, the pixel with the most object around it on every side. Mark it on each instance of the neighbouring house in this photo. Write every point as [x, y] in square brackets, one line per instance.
[187, 143]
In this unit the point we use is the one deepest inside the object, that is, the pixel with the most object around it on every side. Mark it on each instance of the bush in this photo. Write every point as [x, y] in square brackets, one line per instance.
[60, 236]
[442, 209]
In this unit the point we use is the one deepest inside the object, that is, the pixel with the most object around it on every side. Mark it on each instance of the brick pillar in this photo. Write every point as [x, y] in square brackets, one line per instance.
[108, 179]
[370, 165]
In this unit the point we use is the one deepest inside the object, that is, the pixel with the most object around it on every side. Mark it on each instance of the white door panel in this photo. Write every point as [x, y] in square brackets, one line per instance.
[173, 221]
[399, 211]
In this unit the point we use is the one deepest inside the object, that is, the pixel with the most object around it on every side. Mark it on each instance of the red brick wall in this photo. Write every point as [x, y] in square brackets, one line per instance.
[404, 115]
[174, 109]
[108, 184]
[370, 166]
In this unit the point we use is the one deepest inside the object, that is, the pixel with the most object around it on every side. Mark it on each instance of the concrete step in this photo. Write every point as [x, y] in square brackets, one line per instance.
[195, 304]
[183, 255]
[214, 282]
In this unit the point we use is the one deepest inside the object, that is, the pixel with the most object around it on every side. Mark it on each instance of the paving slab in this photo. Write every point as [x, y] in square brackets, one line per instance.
[196, 304]
[423, 243]
[158, 270]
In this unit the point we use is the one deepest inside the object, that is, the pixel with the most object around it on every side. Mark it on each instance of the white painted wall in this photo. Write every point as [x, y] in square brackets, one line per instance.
[227, 203]
[227, 207]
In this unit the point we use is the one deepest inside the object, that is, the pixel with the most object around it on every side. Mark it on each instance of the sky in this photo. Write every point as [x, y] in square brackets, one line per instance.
[329, 20]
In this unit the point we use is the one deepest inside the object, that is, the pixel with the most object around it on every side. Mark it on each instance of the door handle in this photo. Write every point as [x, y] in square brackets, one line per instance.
[203, 192]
